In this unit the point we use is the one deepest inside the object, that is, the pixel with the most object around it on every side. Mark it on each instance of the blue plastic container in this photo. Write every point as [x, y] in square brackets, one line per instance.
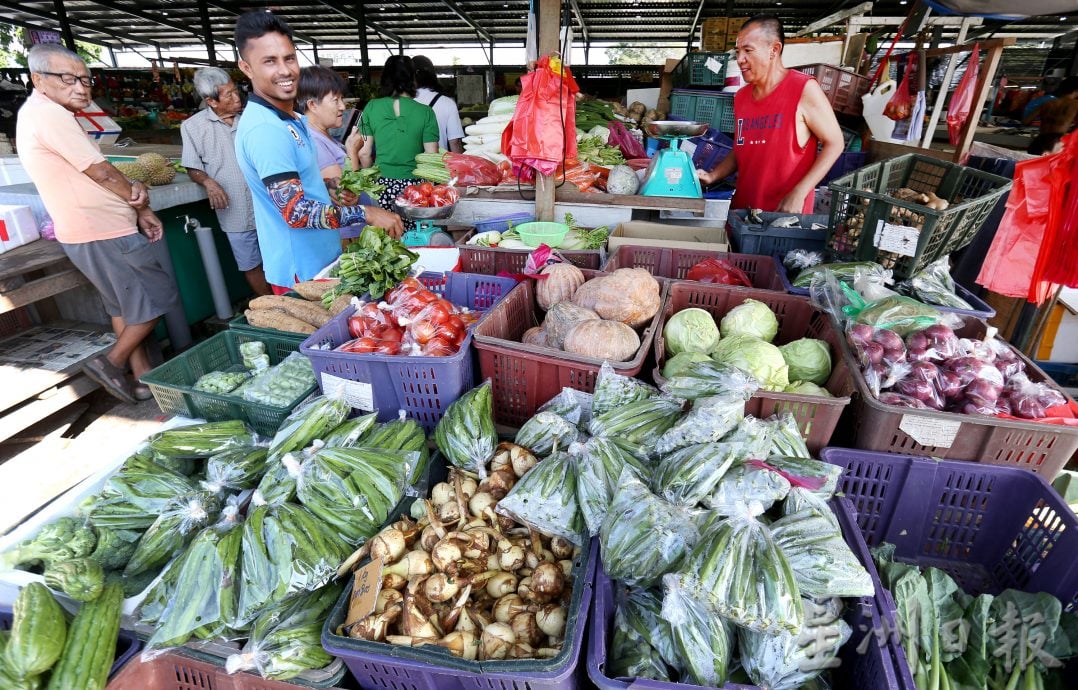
[421, 386]
[503, 223]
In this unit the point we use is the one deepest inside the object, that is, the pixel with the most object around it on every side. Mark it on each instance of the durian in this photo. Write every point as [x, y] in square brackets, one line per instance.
[132, 171]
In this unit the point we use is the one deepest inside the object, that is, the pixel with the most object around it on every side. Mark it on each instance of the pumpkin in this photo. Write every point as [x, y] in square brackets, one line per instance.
[628, 295]
[534, 336]
[558, 284]
[602, 339]
[560, 320]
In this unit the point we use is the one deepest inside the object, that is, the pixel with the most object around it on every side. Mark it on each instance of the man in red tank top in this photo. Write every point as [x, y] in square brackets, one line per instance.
[780, 116]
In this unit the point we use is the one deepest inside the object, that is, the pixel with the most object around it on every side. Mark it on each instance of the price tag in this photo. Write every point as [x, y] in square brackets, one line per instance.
[713, 65]
[939, 433]
[899, 239]
[358, 394]
[365, 590]
[689, 147]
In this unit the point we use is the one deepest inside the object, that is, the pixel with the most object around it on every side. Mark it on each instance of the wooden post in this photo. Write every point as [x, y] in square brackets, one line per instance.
[549, 28]
[984, 85]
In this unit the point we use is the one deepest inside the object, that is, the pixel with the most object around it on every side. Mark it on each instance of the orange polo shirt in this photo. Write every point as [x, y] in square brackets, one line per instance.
[54, 151]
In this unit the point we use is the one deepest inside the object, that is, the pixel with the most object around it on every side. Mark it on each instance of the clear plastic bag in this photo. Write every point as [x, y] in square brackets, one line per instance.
[802, 499]
[201, 440]
[599, 463]
[708, 378]
[709, 420]
[643, 536]
[613, 390]
[466, 434]
[797, 260]
[286, 551]
[787, 439]
[901, 314]
[1030, 400]
[688, 475]
[571, 404]
[788, 661]
[744, 483]
[871, 283]
[254, 357]
[642, 614]
[280, 385]
[354, 490]
[631, 655]
[202, 602]
[704, 641]
[823, 564]
[312, 420]
[173, 529]
[236, 469]
[640, 423]
[738, 572]
[545, 498]
[278, 484]
[350, 433]
[813, 475]
[843, 272]
[134, 497]
[286, 640]
[934, 285]
[546, 431]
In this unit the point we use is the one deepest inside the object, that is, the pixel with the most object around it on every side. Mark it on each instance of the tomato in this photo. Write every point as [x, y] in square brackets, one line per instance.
[356, 324]
[413, 197]
[422, 331]
[453, 334]
[425, 188]
[359, 346]
[392, 334]
[388, 347]
[438, 312]
[456, 322]
[439, 347]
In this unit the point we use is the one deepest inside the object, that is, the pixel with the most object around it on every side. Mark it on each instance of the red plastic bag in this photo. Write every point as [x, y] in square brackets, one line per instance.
[718, 271]
[542, 132]
[472, 170]
[900, 107]
[620, 137]
[962, 98]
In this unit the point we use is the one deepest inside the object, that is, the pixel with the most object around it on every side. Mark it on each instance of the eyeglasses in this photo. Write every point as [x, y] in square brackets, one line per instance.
[70, 79]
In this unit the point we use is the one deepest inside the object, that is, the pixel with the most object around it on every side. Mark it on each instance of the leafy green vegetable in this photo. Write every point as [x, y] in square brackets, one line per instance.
[691, 330]
[363, 180]
[809, 360]
[759, 358]
[751, 317]
[372, 265]
[592, 149]
[582, 238]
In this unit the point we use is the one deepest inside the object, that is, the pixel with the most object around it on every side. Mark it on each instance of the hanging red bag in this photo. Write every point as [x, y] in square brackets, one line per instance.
[542, 132]
[900, 107]
[962, 98]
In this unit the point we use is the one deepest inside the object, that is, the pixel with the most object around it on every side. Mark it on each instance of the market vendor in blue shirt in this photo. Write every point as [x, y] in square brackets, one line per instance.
[296, 217]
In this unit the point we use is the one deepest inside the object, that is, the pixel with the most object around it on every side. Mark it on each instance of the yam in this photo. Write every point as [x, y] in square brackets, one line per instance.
[303, 310]
[340, 304]
[277, 320]
[312, 290]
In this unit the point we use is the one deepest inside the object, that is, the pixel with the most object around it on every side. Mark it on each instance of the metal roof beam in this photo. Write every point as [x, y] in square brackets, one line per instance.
[147, 16]
[352, 15]
[224, 8]
[583, 24]
[7, 4]
[38, 27]
[459, 11]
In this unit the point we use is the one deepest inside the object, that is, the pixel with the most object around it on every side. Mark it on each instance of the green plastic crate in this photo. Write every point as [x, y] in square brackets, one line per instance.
[284, 341]
[693, 70]
[716, 109]
[171, 383]
[861, 201]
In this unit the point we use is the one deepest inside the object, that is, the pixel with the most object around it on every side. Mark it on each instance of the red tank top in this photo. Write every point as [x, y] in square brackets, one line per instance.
[770, 162]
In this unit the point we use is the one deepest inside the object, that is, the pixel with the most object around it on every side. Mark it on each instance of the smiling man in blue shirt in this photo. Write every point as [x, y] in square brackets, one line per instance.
[296, 219]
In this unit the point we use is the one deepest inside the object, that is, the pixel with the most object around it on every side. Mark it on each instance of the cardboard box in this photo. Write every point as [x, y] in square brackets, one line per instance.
[17, 227]
[647, 234]
[713, 34]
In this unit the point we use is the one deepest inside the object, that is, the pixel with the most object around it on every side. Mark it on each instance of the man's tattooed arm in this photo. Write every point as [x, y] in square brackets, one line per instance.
[300, 211]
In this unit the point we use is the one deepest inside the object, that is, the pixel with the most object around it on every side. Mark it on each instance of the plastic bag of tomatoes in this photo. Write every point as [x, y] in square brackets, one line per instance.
[411, 321]
[427, 195]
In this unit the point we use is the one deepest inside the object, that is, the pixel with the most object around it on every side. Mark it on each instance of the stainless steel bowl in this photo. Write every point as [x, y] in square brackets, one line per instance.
[661, 129]
[424, 212]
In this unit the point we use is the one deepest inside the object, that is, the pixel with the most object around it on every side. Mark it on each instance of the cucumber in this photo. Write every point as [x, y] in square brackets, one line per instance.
[91, 644]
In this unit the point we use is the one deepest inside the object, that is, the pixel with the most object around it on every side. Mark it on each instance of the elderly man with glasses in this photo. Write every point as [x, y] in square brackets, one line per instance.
[209, 154]
[103, 221]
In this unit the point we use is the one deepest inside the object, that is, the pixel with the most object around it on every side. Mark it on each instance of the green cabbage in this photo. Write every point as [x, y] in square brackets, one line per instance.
[691, 330]
[807, 388]
[677, 364]
[750, 318]
[809, 360]
[761, 359]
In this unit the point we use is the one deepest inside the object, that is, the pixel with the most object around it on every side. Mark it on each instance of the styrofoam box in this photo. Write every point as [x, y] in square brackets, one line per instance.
[17, 227]
[11, 171]
[98, 126]
[11, 581]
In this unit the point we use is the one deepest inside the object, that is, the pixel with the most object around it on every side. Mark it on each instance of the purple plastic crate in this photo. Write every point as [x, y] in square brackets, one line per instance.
[874, 669]
[426, 668]
[990, 527]
[421, 386]
[127, 645]
[503, 223]
[981, 309]
[711, 148]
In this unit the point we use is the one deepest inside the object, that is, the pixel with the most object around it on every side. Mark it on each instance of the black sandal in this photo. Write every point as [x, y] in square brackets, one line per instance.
[110, 377]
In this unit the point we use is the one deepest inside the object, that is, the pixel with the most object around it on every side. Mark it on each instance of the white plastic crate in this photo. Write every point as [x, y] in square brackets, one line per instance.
[17, 227]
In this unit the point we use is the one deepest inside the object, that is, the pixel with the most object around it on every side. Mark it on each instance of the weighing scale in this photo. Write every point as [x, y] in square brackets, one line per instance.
[426, 233]
[671, 172]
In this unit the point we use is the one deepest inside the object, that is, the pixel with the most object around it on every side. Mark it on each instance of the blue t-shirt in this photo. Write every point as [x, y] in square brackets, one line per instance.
[269, 142]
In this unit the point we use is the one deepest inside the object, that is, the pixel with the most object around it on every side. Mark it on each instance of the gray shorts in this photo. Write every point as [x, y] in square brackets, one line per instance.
[128, 274]
[245, 249]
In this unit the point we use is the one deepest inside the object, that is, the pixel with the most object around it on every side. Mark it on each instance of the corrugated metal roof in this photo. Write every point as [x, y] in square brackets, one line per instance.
[331, 23]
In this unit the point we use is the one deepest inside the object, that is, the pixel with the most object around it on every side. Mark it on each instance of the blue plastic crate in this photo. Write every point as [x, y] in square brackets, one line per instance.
[503, 223]
[421, 386]
[747, 238]
[711, 148]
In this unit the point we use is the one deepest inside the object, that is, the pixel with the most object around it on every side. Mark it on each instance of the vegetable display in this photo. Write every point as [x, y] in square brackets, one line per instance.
[427, 195]
[371, 265]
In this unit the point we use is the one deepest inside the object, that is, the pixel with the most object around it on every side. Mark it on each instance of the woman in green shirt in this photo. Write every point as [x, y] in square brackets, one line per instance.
[394, 129]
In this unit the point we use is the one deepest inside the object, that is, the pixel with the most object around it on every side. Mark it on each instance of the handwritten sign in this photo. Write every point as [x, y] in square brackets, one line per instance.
[365, 588]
